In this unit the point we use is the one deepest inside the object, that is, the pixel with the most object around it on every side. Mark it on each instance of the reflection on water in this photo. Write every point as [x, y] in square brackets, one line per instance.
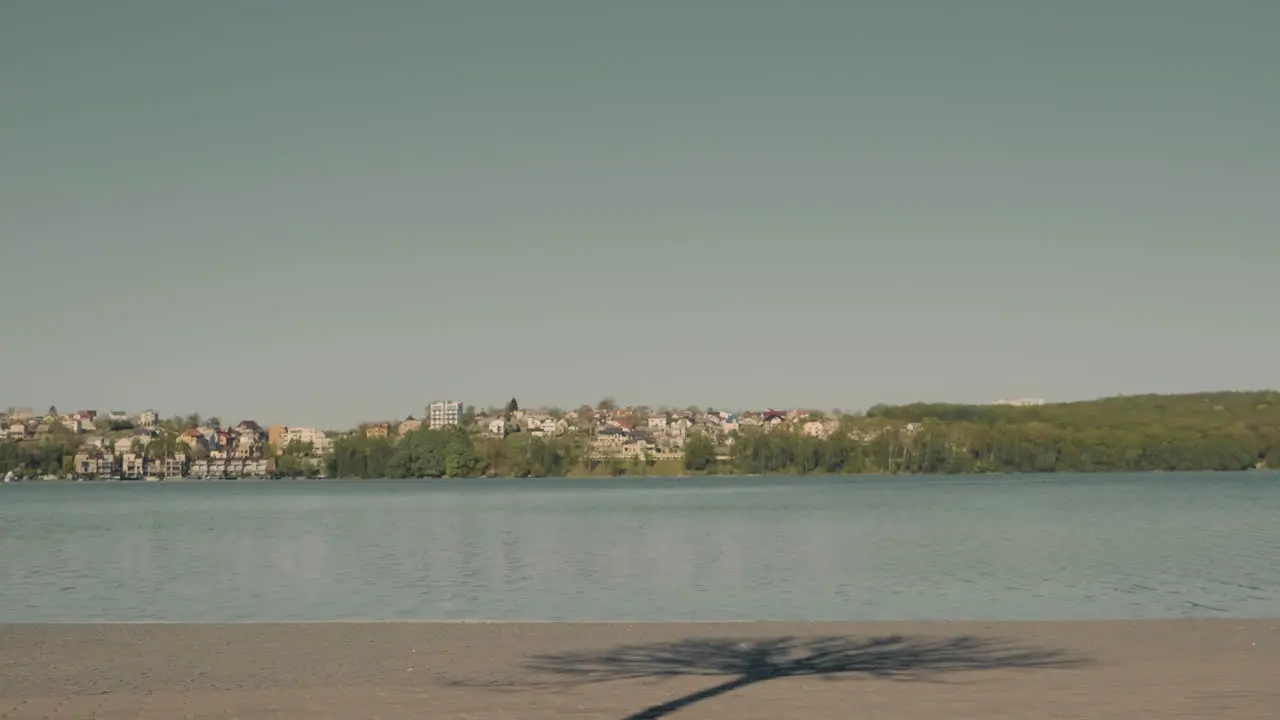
[774, 548]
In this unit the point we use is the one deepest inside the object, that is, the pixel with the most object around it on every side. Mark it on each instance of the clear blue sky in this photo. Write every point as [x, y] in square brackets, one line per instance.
[317, 212]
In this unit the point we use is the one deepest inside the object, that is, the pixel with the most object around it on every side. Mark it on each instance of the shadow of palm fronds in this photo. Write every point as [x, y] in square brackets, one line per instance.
[746, 661]
[892, 655]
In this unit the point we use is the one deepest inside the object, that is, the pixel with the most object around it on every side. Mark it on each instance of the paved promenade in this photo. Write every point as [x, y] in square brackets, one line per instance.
[537, 671]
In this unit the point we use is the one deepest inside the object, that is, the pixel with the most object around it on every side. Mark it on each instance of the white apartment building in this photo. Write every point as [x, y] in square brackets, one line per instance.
[319, 442]
[444, 412]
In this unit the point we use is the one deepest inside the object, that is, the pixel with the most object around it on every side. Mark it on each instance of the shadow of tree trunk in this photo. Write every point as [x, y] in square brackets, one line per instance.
[654, 712]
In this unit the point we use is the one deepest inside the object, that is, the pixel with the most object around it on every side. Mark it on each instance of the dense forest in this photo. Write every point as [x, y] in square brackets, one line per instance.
[1209, 431]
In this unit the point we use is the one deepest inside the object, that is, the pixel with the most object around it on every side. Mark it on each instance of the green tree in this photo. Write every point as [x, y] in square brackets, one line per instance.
[161, 447]
[460, 459]
[358, 456]
[699, 453]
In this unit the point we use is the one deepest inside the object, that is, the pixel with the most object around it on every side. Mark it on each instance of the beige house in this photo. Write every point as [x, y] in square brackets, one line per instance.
[609, 442]
[408, 425]
[282, 437]
[175, 465]
[377, 430]
[194, 440]
[639, 447]
[132, 466]
[94, 463]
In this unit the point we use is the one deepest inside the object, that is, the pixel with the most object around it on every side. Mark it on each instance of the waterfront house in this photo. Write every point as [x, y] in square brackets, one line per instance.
[175, 465]
[132, 465]
[94, 463]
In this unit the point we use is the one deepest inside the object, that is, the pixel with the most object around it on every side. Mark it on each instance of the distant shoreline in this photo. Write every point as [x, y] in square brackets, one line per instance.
[1264, 471]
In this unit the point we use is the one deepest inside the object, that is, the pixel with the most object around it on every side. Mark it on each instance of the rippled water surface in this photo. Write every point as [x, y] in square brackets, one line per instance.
[1038, 547]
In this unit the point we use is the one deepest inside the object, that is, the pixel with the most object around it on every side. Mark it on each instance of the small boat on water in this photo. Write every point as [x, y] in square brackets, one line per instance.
[10, 477]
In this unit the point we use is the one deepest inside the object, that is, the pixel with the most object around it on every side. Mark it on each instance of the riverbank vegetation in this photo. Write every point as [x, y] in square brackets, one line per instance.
[1210, 431]
[451, 452]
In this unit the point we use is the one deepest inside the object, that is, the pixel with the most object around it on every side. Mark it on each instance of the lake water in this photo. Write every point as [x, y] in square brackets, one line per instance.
[1012, 547]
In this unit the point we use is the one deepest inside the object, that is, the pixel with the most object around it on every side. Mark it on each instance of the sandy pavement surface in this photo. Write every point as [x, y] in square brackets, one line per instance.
[744, 671]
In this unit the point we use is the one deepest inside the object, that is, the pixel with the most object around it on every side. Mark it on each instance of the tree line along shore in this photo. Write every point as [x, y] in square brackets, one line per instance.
[1224, 431]
[1221, 431]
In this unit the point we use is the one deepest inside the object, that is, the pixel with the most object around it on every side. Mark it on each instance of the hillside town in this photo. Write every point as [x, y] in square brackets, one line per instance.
[144, 445]
[1228, 430]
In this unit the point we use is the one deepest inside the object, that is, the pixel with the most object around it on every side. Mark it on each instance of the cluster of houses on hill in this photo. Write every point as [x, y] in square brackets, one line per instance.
[18, 424]
[204, 452]
[140, 446]
[621, 433]
[119, 445]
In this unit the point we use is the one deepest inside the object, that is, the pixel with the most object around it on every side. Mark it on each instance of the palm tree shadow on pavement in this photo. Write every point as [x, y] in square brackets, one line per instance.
[746, 661]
